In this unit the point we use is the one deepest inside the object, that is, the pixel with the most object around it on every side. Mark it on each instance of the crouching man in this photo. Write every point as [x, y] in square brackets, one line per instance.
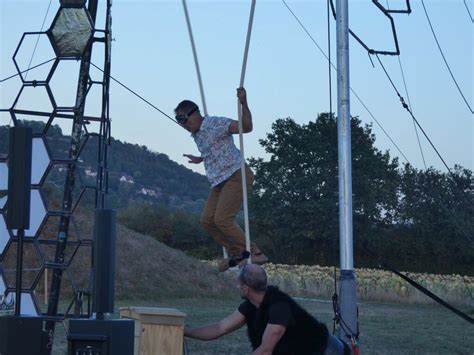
[276, 324]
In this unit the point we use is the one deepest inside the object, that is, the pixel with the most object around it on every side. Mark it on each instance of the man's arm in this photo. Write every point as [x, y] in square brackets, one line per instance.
[193, 159]
[247, 124]
[215, 330]
[271, 337]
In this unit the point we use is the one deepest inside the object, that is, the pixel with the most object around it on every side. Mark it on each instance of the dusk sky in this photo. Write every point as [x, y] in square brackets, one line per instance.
[287, 76]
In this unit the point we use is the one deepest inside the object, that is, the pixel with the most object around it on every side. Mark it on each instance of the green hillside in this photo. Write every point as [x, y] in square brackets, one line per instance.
[135, 172]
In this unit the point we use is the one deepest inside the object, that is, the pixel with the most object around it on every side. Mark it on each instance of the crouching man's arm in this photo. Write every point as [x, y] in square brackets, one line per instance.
[271, 337]
[215, 330]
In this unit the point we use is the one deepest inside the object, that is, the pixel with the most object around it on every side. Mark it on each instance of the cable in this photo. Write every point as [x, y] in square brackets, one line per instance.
[454, 178]
[468, 11]
[307, 32]
[37, 38]
[352, 90]
[414, 118]
[444, 58]
[409, 105]
[137, 95]
[36, 66]
[417, 285]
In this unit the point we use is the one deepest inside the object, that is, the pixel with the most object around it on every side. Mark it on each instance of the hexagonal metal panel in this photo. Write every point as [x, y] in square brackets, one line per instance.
[7, 305]
[94, 101]
[70, 32]
[32, 264]
[40, 160]
[4, 235]
[65, 295]
[80, 268]
[58, 139]
[28, 303]
[39, 44]
[2, 286]
[53, 185]
[3, 184]
[34, 104]
[63, 88]
[48, 234]
[37, 214]
[6, 119]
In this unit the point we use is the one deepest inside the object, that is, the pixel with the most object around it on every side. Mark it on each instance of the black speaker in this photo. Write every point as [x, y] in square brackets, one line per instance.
[19, 178]
[104, 261]
[22, 335]
[101, 337]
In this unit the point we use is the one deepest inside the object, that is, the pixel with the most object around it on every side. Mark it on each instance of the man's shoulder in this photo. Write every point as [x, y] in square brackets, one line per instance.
[211, 119]
[274, 294]
[246, 308]
[211, 123]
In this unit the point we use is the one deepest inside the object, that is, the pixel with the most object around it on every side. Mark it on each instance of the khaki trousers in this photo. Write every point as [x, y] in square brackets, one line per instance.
[223, 204]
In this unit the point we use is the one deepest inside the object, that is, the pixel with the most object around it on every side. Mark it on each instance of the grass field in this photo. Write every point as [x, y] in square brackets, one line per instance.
[394, 319]
[385, 328]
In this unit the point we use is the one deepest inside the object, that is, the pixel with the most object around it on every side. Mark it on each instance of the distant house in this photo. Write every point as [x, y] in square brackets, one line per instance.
[148, 192]
[127, 178]
[90, 172]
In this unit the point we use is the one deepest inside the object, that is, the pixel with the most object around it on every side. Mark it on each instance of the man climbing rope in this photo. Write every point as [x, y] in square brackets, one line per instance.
[222, 161]
[276, 324]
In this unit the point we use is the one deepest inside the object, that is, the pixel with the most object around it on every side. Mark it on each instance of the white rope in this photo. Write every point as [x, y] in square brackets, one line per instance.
[241, 136]
[196, 62]
[239, 111]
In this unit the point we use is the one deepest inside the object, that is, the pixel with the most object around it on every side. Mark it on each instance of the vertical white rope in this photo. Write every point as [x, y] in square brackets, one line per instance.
[241, 136]
[196, 62]
[198, 71]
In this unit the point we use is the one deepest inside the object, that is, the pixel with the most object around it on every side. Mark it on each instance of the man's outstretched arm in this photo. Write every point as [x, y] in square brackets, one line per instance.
[271, 337]
[193, 159]
[215, 330]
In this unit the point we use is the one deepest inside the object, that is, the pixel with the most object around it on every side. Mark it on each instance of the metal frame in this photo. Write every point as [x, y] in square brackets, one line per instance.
[79, 138]
[49, 32]
[387, 13]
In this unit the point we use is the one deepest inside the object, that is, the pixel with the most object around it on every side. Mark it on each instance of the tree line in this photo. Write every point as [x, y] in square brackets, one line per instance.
[416, 220]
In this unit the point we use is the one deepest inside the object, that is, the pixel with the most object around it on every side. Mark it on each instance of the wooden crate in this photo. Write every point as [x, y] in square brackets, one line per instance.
[158, 331]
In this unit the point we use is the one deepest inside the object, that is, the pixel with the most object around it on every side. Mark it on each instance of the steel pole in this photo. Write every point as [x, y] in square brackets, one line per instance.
[348, 298]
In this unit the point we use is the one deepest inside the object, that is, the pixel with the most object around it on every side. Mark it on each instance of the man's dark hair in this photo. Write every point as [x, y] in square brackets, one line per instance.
[253, 277]
[185, 106]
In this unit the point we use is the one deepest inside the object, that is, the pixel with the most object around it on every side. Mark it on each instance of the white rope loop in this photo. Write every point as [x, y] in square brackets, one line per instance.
[196, 62]
[239, 112]
[241, 136]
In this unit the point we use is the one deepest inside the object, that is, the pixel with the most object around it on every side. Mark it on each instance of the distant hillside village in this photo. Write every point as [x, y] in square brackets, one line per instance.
[135, 173]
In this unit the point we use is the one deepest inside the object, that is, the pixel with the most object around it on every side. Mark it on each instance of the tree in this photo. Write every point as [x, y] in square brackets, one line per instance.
[295, 200]
[435, 218]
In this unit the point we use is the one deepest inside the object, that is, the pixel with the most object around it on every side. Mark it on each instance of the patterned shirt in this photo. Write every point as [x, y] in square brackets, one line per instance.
[216, 144]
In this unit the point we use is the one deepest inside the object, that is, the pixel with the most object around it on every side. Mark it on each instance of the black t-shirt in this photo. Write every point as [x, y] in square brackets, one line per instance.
[278, 313]
[303, 334]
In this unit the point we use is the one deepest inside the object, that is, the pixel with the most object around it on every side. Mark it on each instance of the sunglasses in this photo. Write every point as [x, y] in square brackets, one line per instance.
[182, 119]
